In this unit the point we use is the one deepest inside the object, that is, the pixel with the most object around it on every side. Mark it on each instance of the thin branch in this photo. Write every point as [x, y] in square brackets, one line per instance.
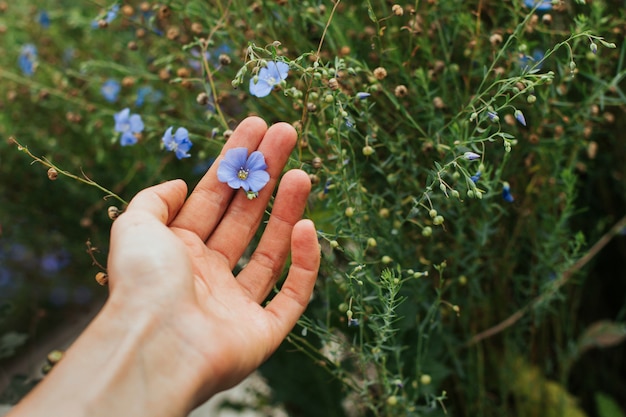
[579, 264]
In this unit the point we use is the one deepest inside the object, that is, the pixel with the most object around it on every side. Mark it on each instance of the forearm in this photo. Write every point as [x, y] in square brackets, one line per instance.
[120, 366]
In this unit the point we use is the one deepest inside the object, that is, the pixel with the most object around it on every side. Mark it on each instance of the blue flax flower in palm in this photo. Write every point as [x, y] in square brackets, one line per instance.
[268, 77]
[128, 125]
[28, 59]
[178, 142]
[110, 90]
[239, 170]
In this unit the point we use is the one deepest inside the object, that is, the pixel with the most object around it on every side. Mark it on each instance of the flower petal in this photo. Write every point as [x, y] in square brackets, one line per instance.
[181, 135]
[167, 139]
[256, 161]
[257, 180]
[128, 139]
[261, 88]
[229, 167]
[136, 124]
[281, 68]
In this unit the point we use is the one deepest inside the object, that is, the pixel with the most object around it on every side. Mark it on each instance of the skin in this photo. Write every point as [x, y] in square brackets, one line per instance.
[178, 326]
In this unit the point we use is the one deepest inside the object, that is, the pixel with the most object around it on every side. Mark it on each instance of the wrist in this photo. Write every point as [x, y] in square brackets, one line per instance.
[119, 366]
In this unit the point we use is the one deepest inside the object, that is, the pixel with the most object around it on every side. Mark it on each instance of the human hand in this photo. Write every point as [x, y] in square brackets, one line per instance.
[174, 258]
[179, 326]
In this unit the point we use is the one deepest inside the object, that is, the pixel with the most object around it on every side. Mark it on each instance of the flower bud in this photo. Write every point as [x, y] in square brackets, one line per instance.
[54, 357]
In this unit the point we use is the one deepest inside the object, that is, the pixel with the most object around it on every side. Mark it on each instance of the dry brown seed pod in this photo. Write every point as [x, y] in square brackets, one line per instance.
[113, 212]
[102, 278]
[202, 99]
[53, 174]
[317, 162]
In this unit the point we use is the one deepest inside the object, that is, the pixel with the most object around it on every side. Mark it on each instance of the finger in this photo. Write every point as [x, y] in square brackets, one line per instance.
[268, 260]
[243, 216]
[139, 233]
[293, 298]
[210, 198]
[163, 201]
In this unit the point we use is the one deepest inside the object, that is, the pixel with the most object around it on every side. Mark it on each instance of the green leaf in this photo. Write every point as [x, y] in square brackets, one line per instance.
[607, 406]
[370, 13]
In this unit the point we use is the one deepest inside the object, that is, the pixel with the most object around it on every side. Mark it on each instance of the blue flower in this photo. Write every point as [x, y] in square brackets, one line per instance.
[53, 262]
[476, 177]
[239, 170]
[27, 59]
[147, 92]
[110, 90]
[543, 6]
[43, 19]
[362, 95]
[178, 143]
[108, 18]
[128, 124]
[506, 193]
[520, 117]
[268, 77]
[526, 62]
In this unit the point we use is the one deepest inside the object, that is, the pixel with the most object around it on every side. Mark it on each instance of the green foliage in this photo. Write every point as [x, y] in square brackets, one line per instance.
[464, 157]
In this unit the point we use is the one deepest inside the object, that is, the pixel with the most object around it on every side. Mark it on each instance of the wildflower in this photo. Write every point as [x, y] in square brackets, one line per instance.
[27, 59]
[542, 5]
[527, 62]
[594, 47]
[53, 262]
[128, 124]
[471, 156]
[178, 143]
[506, 193]
[362, 95]
[147, 92]
[111, 14]
[43, 19]
[520, 117]
[476, 177]
[239, 170]
[268, 77]
[110, 90]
